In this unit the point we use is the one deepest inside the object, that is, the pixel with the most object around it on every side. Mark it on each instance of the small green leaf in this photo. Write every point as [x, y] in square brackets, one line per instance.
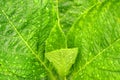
[62, 59]
[56, 39]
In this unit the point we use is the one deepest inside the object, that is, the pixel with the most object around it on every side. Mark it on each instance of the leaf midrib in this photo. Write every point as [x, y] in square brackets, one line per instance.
[21, 37]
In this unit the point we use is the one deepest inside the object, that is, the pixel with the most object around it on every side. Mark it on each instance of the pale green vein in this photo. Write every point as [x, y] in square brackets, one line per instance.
[58, 19]
[11, 23]
[83, 13]
[89, 62]
[58, 22]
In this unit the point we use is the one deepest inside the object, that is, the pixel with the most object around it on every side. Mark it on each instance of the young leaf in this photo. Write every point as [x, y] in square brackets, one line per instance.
[97, 34]
[62, 59]
[56, 39]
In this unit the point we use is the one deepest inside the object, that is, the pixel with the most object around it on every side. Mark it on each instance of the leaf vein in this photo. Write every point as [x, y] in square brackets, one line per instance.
[37, 57]
[100, 53]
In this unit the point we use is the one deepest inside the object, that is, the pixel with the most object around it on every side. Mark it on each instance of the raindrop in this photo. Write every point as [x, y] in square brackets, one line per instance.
[24, 76]
[6, 62]
[90, 54]
[20, 20]
[103, 67]
[71, 57]
[33, 71]
[97, 75]
[14, 17]
[28, 62]
[81, 76]
[39, 25]
[98, 64]
[111, 62]
[14, 62]
[13, 70]
[47, 8]
[26, 58]
[36, 63]
[1, 60]
[9, 79]
[36, 1]
[20, 66]
[6, 70]
[16, 57]
[42, 75]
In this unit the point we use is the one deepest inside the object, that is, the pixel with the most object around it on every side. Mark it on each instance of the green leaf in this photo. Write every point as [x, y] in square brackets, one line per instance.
[24, 27]
[70, 10]
[56, 39]
[31, 30]
[62, 59]
[97, 35]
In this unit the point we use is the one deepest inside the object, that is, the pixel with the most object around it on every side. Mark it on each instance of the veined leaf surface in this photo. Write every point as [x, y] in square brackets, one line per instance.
[31, 30]
[56, 39]
[57, 52]
[97, 34]
[70, 10]
[24, 27]
[62, 59]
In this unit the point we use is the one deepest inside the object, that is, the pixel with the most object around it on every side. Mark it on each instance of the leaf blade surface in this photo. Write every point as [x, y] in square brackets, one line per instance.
[97, 34]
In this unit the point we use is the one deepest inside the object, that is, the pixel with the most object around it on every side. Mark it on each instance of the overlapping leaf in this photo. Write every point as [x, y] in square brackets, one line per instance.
[97, 34]
[62, 59]
[56, 39]
[24, 27]
[26, 24]
[57, 52]
[70, 10]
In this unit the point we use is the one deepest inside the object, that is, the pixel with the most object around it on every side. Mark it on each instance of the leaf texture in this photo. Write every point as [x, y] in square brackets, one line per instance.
[24, 27]
[56, 39]
[30, 32]
[97, 34]
[62, 59]
[71, 10]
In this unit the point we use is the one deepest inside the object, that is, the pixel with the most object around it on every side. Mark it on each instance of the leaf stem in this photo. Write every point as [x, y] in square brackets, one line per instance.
[57, 13]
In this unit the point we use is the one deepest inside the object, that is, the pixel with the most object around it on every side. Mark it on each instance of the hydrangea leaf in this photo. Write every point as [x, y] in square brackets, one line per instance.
[97, 35]
[24, 27]
[70, 10]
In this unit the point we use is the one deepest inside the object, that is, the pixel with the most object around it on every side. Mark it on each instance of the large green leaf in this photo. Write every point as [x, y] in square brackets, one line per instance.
[31, 30]
[97, 34]
[24, 27]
